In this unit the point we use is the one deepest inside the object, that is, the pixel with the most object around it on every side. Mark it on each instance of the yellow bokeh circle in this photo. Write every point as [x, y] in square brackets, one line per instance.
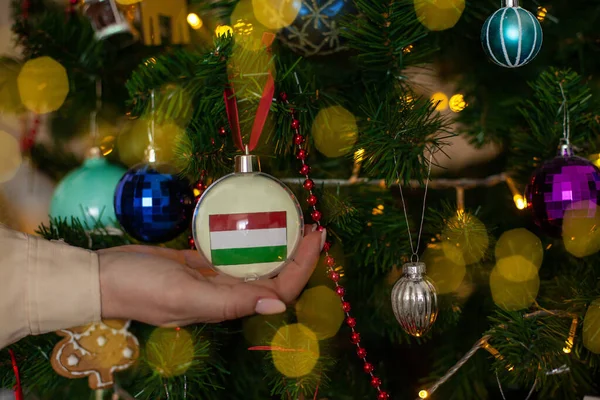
[438, 15]
[276, 14]
[43, 85]
[127, 2]
[465, 239]
[259, 329]
[440, 101]
[591, 327]
[334, 131]
[516, 269]
[319, 309]
[581, 232]
[512, 295]
[295, 350]
[520, 242]
[195, 21]
[170, 351]
[10, 157]
[10, 101]
[445, 273]
[133, 141]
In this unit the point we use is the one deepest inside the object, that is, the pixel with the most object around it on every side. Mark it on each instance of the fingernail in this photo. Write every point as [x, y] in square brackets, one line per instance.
[323, 237]
[314, 227]
[269, 306]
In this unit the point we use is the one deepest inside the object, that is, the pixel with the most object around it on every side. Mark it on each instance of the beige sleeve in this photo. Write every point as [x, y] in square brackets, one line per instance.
[44, 286]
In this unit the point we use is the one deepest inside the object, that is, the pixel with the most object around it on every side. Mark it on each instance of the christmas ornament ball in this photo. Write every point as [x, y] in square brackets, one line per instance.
[316, 29]
[414, 300]
[565, 183]
[512, 36]
[87, 193]
[153, 203]
[248, 224]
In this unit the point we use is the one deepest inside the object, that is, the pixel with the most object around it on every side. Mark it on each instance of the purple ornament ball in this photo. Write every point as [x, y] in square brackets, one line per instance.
[561, 184]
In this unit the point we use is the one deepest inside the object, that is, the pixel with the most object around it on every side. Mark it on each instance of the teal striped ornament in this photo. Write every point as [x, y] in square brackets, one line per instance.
[87, 193]
[511, 37]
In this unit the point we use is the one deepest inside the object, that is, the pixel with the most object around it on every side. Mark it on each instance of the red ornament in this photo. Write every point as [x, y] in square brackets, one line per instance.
[312, 200]
[298, 139]
[340, 291]
[327, 246]
[308, 184]
[330, 261]
[283, 96]
[375, 381]
[334, 276]
[302, 154]
[295, 124]
[222, 131]
[346, 306]
[305, 169]
[355, 337]
[351, 322]
[201, 186]
[383, 396]
[361, 352]
[316, 215]
[368, 368]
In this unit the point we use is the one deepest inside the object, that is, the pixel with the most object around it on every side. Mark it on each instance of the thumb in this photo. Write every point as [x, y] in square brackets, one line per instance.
[243, 300]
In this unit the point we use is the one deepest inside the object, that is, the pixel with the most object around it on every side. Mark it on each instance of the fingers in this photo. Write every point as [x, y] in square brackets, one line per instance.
[295, 275]
[190, 258]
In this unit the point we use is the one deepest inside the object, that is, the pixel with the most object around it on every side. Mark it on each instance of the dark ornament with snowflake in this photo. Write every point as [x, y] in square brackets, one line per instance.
[316, 29]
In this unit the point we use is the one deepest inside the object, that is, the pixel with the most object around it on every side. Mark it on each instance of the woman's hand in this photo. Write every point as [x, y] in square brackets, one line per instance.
[162, 286]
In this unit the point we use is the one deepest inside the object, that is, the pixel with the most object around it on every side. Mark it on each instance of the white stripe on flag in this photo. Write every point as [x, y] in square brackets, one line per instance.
[248, 238]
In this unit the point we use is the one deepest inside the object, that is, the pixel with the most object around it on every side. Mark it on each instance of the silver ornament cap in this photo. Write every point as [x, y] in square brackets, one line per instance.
[414, 300]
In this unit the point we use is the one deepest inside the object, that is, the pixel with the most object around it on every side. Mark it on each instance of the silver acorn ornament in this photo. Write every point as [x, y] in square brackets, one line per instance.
[414, 300]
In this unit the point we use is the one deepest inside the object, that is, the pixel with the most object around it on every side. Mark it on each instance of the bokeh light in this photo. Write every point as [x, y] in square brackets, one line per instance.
[259, 329]
[133, 141]
[43, 85]
[591, 327]
[520, 290]
[319, 309]
[247, 29]
[440, 100]
[173, 104]
[170, 351]
[438, 15]
[467, 234]
[10, 100]
[580, 230]
[194, 20]
[457, 103]
[223, 30]
[10, 157]
[334, 131]
[295, 350]
[276, 14]
[520, 242]
[127, 2]
[541, 13]
[445, 273]
[520, 202]
[423, 394]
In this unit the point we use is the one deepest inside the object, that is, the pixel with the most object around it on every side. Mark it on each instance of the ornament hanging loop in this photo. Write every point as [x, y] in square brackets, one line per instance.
[565, 149]
[414, 258]
[151, 150]
[510, 3]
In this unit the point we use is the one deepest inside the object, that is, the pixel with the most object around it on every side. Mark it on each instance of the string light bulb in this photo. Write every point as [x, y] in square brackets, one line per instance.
[423, 394]
[571, 339]
[194, 21]
[487, 347]
[223, 30]
[541, 13]
[520, 202]
[457, 103]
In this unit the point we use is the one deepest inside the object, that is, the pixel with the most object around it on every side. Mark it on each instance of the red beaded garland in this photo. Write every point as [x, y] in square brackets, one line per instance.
[346, 306]
[375, 381]
[340, 291]
[222, 131]
[312, 200]
[355, 337]
[321, 228]
[316, 215]
[327, 246]
[351, 322]
[295, 124]
[301, 155]
[368, 368]
[308, 184]
[201, 186]
[383, 396]
[298, 139]
[330, 261]
[334, 276]
[283, 96]
[191, 242]
[305, 169]
[361, 352]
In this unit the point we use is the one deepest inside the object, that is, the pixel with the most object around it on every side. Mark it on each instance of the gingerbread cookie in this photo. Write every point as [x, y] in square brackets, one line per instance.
[96, 351]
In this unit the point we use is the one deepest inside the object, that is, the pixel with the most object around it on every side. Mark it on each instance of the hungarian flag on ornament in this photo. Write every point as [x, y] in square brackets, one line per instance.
[248, 238]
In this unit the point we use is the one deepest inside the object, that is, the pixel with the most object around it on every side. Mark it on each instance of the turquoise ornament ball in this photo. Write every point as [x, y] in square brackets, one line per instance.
[511, 37]
[87, 193]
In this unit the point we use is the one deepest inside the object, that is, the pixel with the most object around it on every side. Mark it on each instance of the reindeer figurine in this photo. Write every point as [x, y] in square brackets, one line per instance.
[175, 10]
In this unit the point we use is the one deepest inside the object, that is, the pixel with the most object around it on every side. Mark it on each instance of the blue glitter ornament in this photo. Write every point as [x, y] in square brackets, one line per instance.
[512, 36]
[153, 203]
[87, 193]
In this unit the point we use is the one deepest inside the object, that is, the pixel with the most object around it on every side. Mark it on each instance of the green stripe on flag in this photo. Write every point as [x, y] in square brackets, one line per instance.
[251, 255]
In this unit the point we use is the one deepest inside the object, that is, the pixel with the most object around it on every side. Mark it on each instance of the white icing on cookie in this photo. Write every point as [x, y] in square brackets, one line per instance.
[72, 360]
[127, 352]
[101, 340]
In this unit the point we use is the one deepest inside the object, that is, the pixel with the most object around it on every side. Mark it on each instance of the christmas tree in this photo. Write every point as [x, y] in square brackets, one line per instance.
[449, 147]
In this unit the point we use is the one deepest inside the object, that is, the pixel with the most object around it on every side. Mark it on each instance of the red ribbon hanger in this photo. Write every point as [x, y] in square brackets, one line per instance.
[261, 113]
[18, 389]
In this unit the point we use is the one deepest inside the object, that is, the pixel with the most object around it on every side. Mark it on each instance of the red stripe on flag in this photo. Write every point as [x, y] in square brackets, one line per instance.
[246, 221]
